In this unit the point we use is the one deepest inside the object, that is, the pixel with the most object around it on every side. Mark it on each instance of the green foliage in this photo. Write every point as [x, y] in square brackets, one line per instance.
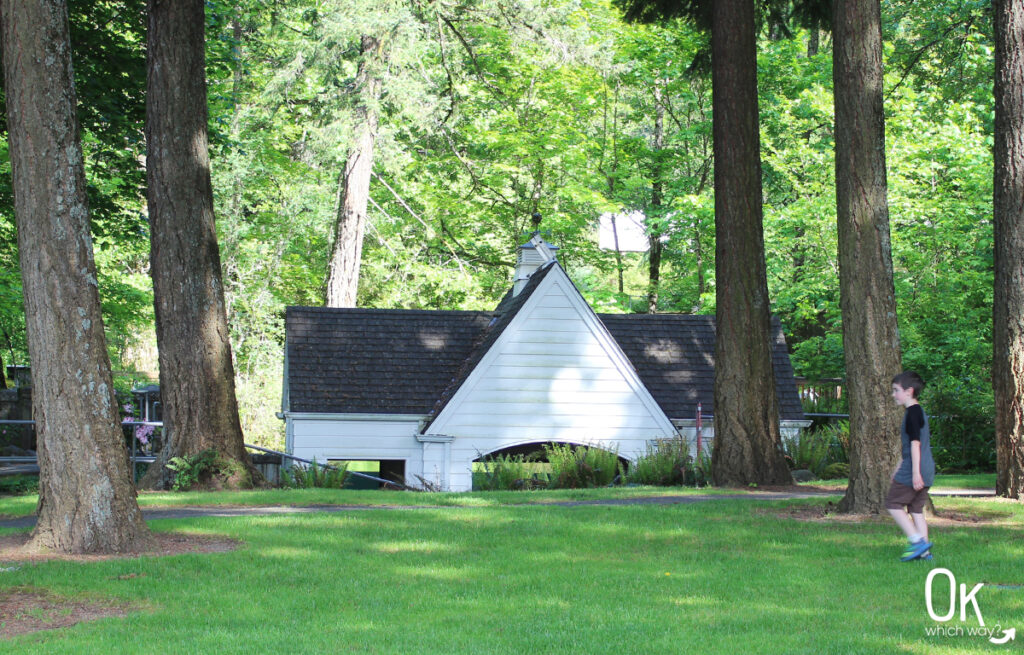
[19, 485]
[663, 464]
[581, 467]
[209, 469]
[808, 450]
[836, 471]
[507, 473]
[315, 476]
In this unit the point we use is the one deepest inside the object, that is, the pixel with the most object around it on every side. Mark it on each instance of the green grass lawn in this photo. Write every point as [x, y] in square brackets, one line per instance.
[942, 481]
[716, 577]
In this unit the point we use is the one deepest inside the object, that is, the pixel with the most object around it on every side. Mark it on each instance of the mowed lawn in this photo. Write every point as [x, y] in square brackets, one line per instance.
[721, 576]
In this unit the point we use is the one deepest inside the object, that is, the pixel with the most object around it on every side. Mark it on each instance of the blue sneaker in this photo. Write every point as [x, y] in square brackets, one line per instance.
[927, 556]
[915, 550]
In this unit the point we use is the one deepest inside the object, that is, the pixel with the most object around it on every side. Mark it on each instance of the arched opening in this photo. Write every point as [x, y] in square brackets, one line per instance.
[547, 464]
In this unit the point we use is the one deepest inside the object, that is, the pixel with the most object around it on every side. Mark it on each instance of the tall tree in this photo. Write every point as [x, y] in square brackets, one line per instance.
[867, 295]
[1008, 210]
[86, 498]
[747, 437]
[656, 215]
[354, 191]
[197, 379]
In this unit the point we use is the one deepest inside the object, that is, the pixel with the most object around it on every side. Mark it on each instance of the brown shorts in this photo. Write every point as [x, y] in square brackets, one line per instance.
[900, 496]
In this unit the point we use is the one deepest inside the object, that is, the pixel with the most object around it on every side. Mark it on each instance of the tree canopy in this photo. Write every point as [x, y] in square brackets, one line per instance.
[491, 111]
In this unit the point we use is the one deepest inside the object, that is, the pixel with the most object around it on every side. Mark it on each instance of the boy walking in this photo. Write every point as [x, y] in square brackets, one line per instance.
[916, 470]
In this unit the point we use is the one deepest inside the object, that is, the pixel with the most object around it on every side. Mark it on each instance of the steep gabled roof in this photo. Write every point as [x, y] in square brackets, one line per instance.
[389, 361]
[674, 355]
[503, 315]
[394, 361]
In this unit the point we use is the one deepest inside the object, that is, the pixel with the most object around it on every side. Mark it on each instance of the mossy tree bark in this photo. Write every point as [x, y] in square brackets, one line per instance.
[197, 380]
[867, 295]
[1008, 206]
[747, 437]
[87, 501]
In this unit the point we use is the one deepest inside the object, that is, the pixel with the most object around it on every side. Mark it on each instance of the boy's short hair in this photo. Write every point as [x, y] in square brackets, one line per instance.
[910, 380]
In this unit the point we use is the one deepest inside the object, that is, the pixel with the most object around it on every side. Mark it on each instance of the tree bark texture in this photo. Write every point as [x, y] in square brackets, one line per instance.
[747, 438]
[1008, 207]
[354, 190]
[197, 380]
[86, 498]
[656, 228]
[867, 294]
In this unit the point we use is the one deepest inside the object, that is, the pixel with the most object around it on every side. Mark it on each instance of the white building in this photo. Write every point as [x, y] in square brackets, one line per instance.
[428, 392]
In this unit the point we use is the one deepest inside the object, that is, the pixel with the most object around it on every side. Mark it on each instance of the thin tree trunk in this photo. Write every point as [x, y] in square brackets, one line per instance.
[1008, 206]
[747, 438]
[867, 295]
[655, 226]
[618, 251]
[354, 191]
[197, 378]
[86, 497]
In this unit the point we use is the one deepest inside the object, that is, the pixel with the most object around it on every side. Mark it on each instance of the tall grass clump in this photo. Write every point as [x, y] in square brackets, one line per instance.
[576, 467]
[505, 473]
[668, 463]
[808, 450]
[315, 476]
[664, 464]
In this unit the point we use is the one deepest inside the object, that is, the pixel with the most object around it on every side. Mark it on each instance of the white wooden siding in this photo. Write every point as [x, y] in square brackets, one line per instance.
[553, 375]
[339, 438]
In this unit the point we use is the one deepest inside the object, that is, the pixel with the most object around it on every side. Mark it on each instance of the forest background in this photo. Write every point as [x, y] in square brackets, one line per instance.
[492, 110]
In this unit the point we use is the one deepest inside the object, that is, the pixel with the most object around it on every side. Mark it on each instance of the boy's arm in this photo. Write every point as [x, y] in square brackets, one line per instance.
[915, 464]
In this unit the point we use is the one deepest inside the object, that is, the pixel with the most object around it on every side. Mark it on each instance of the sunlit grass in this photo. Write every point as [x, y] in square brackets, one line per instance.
[722, 577]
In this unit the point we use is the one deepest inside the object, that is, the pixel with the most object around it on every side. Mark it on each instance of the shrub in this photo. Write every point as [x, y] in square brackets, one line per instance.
[836, 470]
[209, 469]
[807, 450]
[506, 473]
[315, 476]
[17, 485]
[575, 467]
[665, 463]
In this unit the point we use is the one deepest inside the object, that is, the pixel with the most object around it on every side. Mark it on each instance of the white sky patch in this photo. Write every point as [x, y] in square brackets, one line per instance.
[631, 232]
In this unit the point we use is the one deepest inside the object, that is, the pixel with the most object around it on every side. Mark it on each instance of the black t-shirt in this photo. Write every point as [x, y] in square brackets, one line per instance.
[915, 421]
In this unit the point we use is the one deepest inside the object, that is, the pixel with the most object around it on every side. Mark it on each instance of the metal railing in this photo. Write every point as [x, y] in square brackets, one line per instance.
[135, 457]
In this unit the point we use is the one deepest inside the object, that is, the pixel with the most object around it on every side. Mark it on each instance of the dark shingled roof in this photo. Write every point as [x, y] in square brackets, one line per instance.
[674, 355]
[395, 361]
[389, 361]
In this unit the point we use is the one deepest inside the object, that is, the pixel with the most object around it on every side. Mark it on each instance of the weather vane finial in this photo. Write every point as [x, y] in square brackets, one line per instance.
[535, 219]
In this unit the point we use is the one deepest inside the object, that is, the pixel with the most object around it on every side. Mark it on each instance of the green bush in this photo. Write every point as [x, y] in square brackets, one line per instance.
[808, 450]
[190, 468]
[315, 476]
[506, 473]
[665, 463]
[668, 463]
[210, 470]
[576, 467]
[836, 470]
[17, 485]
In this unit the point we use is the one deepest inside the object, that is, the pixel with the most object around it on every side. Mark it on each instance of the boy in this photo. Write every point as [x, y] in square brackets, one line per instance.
[916, 470]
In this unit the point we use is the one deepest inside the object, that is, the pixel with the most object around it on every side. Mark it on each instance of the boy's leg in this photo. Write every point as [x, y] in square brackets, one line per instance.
[902, 520]
[920, 525]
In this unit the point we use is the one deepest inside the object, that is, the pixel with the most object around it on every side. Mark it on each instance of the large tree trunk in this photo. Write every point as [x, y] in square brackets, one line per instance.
[867, 295]
[747, 439]
[86, 498]
[354, 192]
[197, 380]
[1008, 206]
